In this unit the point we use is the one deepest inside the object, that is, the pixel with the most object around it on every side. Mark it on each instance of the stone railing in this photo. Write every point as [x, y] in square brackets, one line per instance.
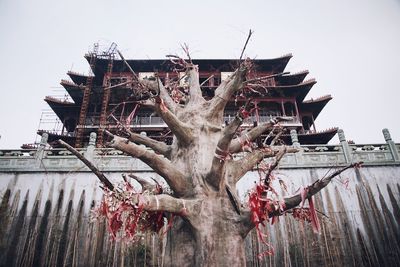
[111, 160]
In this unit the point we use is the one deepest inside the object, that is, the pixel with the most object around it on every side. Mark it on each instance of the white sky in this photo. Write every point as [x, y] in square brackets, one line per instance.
[352, 48]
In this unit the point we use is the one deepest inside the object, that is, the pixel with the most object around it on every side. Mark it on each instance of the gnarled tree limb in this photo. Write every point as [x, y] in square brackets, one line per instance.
[276, 138]
[181, 130]
[221, 151]
[156, 146]
[175, 179]
[237, 169]
[163, 202]
[250, 136]
[160, 92]
[90, 165]
[293, 201]
[146, 185]
[166, 97]
[195, 95]
[225, 91]
[273, 166]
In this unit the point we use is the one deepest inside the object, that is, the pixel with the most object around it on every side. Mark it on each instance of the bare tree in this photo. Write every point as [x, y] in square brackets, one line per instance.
[202, 166]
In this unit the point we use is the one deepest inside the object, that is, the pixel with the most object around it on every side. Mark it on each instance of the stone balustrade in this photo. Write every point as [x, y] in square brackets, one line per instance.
[111, 160]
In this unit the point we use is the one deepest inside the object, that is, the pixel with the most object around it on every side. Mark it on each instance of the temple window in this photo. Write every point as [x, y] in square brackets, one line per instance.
[266, 110]
[290, 109]
[307, 122]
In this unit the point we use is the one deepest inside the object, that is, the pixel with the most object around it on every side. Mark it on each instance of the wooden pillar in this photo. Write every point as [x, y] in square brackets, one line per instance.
[297, 110]
[283, 108]
[313, 124]
[63, 127]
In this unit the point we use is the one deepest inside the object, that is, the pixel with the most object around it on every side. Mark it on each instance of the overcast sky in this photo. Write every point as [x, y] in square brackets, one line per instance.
[352, 48]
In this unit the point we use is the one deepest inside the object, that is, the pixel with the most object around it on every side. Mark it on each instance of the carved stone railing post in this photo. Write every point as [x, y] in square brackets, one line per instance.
[296, 144]
[391, 144]
[40, 151]
[345, 146]
[295, 138]
[89, 154]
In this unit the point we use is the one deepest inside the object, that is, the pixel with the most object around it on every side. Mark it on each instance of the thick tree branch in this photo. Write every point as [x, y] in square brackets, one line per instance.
[276, 138]
[181, 130]
[237, 143]
[227, 88]
[237, 169]
[166, 97]
[225, 91]
[162, 92]
[273, 166]
[146, 185]
[294, 201]
[195, 95]
[175, 179]
[90, 165]
[221, 152]
[156, 146]
[162, 202]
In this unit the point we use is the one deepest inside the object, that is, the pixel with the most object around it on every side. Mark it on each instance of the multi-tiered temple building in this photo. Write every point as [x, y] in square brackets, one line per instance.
[102, 98]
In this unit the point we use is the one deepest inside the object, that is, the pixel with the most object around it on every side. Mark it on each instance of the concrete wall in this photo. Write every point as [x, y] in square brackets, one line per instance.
[47, 196]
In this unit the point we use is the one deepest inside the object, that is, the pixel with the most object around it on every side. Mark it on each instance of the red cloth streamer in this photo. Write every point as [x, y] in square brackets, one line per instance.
[261, 206]
[307, 214]
[131, 116]
[126, 219]
[314, 218]
[244, 113]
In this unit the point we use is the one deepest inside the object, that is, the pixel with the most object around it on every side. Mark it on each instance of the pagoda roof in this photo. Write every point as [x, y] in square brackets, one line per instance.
[315, 105]
[274, 65]
[62, 108]
[78, 78]
[299, 91]
[74, 90]
[311, 137]
[319, 137]
[291, 79]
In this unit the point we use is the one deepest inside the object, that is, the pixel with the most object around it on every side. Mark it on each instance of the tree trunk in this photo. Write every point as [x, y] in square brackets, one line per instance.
[211, 238]
[202, 167]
